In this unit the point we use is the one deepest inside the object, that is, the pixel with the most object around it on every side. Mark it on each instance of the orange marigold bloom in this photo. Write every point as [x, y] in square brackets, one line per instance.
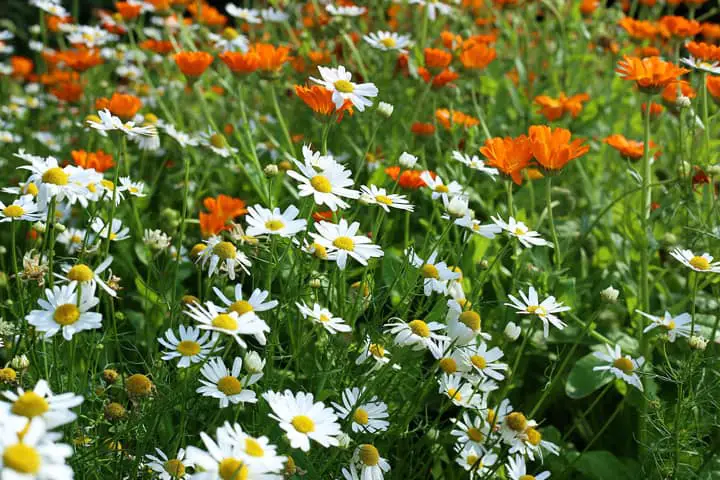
[409, 179]
[713, 87]
[68, 91]
[704, 51]
[449, 118]
[478, 56]
[54, 22]
[711, 31]
[207, 15]
[638, 29]
[555, 108]
[651, 74]
[319, 99]
[82, 59]
[629, 149]
[450, 40]
[588, 7]
[552, 147]
[436, 58]
[221, 210]
[509, 155]
[193, 64]
[271, 58]
[680, 27]
[128, 11]
[161, 47]
[241, 63]
[655, 109]
[319, 57]
[681, 87]
[122, 105]
[99, 160]
[22, 66]
[419, 128]
[325, 215]
[439, 80]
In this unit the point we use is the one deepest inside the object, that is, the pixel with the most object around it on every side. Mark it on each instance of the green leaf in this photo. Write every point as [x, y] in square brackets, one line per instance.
[603, 465]
[147, 293]
[582, 380]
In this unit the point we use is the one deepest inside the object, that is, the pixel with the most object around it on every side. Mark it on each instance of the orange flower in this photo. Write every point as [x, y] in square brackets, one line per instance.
[552, 147]
[713, 87]
[160, 47]
[128, 11]
[122, 105]
[588, 7]
[638, 29]
[439, 80]
[53, 22]
[680, 27]
[207, 15]
[450, 40]
[271, 58]
[671, 92]
[629, 149]
[711, 31]
[409, 179]
[82, 59]
[319, 99]
[99, 160]
[425, 129]
[509, 155]
[67, 91]
[22, 66]
[222, 209]
[655, 109]
[554, 108]
[449, 118]
[319, 57]
[647, 51]
[325, 215]
[478, 56]
[240, 63]
[436, 58]
[704, 51]
[651, 74]
[193, 64]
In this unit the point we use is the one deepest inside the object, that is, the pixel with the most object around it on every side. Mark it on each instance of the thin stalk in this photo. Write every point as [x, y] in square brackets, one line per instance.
[548, 201]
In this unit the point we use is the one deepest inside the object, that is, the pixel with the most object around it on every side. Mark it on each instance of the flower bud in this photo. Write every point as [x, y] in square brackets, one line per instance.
[271, 170]
[253, 362]
[60, 227]
[683, 102]
[39, 227]
[407, 160]
[315, 283]
[698, 342]
[610, 294]
[512, 331]
[385, 109]
[714, 170]
[344, 440]
[20, 362]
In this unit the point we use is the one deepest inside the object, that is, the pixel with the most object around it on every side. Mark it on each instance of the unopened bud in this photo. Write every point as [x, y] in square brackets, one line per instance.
[385, 109]
[512, 331]
[610, 294]
[39, 227]
[344, 440]
[315, 283]
[271, 170]
[20, 362]
[407, 160]
[253, 362]
[60, 227]
[714, 170]
[698, 342]
[682, 101]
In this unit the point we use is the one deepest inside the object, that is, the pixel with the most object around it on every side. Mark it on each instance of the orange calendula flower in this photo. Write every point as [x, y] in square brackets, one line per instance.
[437, 58]
[651, 74]
[450, 40]
[588, 7]
[82, 59]
[100, 161]
[448, 118]
[672, 91]
[319, 99]
[193, 64]
[555, 108]
[121, 105]
[271, 58]
[161, 47]
[655, 109]
[713, 87]
[710, 31]
[22, 67]
[424, 129]
[127, 10]
[629, 149]
[477, 57]
[440, 80]
[221, 210]
[323, 216]
[704, 51]
[509, 155]
[68, 91]
[552, 148]
[680, 27]
[638, 29]
[408, 179]
[241, 63]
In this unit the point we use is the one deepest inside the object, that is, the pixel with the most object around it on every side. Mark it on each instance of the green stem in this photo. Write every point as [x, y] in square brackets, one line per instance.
[281, 119]
[548, 201]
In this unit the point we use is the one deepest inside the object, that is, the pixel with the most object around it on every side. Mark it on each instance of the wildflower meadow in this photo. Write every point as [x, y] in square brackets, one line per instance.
[326, 240]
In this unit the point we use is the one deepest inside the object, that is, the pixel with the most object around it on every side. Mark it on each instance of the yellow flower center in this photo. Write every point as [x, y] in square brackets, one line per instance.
[454, 394]
[344, 243]
[389, 42]
[232, 469]
[108, 185]
[472, 460]
[429, 271]
[241, 307]
[30, 405]
[188, 348]
[55, 176]
[80, 273]
[478, 361]
[670, 325]
[253, 448]
[701, 263]
[471, 320]
[624, 364]
[441, 188]
[491, 415]
[274, 225]
[321, 183]
[520, 231]
[538, 310]
[527, 477]
[324, 318]
[66, 314]
[138, 385]
[76, 239]
[344, 86]
[384, 199]
[376, 350]
[303, 424]
[419, 328]
[22, 459]
[13, 211]
[229, 385]
[533, 436]
[225, 250]
[218, 141]
[361, 416]
[92, 187]
[175, 468]
[32, 189]
[225, 321]
[369, 455]
[475, 435]
[197, 249]
[230, 33]
[448, 365]
[320, 251]
[516, 421]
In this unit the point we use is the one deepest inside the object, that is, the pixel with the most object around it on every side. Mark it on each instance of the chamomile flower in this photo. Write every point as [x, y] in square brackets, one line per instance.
[478, 359]
[255, 451]
[66, 311]
[107, 122]
[116, 232]
[673, 326]
[217, 143]
[460, 392]
[345, 11]
[183, 139]
[250, 15]
[274, 15]
[432, 7]
[67, 183]
[341, 242]
[476, 227]
[22, 208]
[34, 454]
[463, 326]
[86, 276]
[439, 189]
[545, 310]
[435, 274]
[324, 317]
[337, 80]
[699, 263]
[368, 460]
[367, 416]
[388, 41]
[190, 348]
[223, 256]
[263, 221]
[372, 195]
[622, 367]
[469, 430]
[40, 402]
[375, 351]
[475, 459]
[212, 317]
[327, 186]
[133, 188]
[475, 163]
[517, 470]
[701, 65]
[229, 40]
[72, 238]
[225, 384]
[169, 468]
[417, 334]
[528, 238]
[303, 419]
[256, 302]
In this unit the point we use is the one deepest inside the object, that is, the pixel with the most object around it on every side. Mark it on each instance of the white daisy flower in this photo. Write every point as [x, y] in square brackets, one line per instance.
[340, 241]
[86, 276]
[182, 138]
[327, 185]
[435, 274]
[416, 334]
[169, 468]
[463, 326]
[61, 183]
[256, 452]
[475, 226]
[432, 7]
[72, 238]
[63, 309]
[460, 392]
[368, 415]
[371, 465]
[475, 163]
[478, 359]
[246, 309]
[190, 347]
[34, 454]
[116, 232]
[472, 431]
[343, 11]
[133, 188]
[223, 256]
[388, 41]
[519, 230]
[517, 470]
[303, 419]
[324, 317]
[439, 189]
[263, 221]
[41, 403]
[337, 80]
[212, 317]
[23, 208]
[701, 65]
[673, 326]
[250, 15]
[473, 458]
[229, 40]
[318, 161]
[225, 384]
[622, 367]
[699, 263]
[52, 7]
[274, 15]
[109, 122]
[90, 36]
[375, 351]
[545, 310]
[217, 143]
[372, 195]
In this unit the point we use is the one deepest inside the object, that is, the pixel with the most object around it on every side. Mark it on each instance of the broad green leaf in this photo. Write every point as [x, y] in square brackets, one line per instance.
[603, 465]
[582, 380]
